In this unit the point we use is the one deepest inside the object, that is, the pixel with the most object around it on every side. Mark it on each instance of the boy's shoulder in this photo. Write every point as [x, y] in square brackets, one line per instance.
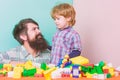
[74, 31]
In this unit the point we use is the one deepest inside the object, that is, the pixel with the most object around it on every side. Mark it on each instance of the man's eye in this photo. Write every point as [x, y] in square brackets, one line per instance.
[33, 28]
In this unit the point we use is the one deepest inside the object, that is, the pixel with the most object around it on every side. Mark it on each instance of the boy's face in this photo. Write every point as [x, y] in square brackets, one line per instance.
[61, 22]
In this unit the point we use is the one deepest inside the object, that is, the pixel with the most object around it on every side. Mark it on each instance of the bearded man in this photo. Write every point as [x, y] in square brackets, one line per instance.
[33, 45]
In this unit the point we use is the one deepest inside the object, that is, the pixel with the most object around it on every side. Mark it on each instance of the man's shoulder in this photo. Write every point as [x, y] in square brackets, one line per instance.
[15, 49]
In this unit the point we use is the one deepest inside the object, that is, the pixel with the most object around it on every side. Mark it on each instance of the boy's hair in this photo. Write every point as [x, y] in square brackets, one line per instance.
[21, 28]
[65, 10]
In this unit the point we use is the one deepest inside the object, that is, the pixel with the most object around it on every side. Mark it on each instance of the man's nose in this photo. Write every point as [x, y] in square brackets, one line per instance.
[38, 31]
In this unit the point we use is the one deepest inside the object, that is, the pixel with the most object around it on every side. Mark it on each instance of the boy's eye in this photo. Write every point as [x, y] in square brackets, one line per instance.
[57, 18]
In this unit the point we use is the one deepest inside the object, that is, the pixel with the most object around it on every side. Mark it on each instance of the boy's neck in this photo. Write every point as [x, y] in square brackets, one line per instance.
[64, 28]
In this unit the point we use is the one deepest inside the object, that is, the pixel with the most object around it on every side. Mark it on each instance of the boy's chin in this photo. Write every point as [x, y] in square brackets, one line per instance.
[60, 28]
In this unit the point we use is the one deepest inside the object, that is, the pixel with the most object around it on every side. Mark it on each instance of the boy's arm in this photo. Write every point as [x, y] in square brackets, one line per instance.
[74, 53]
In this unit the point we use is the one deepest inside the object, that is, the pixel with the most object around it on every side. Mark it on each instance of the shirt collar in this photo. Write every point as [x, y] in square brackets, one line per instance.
[67, 28]
[26, 53]
[38, 54]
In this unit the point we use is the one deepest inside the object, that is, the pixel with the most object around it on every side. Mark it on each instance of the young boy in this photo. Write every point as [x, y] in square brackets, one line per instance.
[66, 40]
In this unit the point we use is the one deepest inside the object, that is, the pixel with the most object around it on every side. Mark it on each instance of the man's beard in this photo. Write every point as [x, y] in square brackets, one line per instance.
[39, 43]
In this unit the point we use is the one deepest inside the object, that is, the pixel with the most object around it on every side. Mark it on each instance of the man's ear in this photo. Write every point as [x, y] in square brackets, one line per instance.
[23, 37]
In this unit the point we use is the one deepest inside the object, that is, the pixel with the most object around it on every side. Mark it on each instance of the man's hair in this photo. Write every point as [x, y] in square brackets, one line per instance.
[65, 10]
[21, 28]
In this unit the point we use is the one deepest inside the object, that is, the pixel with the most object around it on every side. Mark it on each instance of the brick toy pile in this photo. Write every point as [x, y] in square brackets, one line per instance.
[76, 68]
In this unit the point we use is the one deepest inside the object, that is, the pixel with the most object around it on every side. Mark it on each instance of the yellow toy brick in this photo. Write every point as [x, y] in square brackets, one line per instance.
[7, 67]
[17, 72]
[20, 65]
[88, 75]
[17, 75]
[28, 65]
[47, 73]
[66, 57]
[111, 71]
[18, 69]
[80, 75]
[105, 67]
[79, 60]
[39, 71]
[3, 71]
[64, 60]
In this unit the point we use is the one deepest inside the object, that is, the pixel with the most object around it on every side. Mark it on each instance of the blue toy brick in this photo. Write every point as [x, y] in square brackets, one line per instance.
[60, 62]
[68, 63]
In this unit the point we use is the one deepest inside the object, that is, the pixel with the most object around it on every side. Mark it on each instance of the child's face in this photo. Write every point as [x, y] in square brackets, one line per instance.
[61, 22]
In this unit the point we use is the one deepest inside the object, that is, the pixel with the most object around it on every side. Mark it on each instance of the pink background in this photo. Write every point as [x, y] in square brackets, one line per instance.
[98, 22]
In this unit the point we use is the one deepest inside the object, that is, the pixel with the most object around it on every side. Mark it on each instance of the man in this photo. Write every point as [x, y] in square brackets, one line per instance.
[33, 45]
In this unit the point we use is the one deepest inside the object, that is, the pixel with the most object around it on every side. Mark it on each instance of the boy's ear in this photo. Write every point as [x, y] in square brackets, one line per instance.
[23, 37]
[68, 19]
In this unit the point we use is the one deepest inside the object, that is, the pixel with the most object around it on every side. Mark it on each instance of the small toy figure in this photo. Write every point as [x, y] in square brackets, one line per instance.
[66, 62]
[75, 71]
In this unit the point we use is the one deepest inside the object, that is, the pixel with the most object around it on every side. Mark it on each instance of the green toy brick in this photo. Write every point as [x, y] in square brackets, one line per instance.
[98, 69]
[43, 66]
[30, 72]
[1, 66]
[101, 63]
[109, 75]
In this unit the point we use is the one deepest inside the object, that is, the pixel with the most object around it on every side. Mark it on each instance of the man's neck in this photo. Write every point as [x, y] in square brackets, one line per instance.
[30, 50]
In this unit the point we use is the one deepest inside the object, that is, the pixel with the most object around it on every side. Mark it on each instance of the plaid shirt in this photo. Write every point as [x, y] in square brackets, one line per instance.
[20, 54]
[64, 41]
